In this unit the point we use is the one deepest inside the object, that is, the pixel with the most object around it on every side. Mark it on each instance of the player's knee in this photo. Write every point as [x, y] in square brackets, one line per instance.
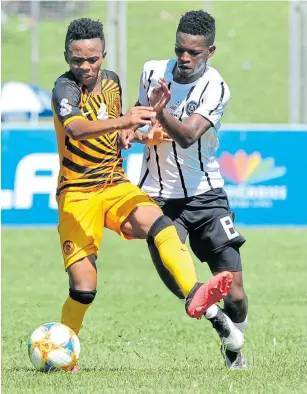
[159, 224]
[83, 296]
[140, 221]
[236, 293]
[83, 274]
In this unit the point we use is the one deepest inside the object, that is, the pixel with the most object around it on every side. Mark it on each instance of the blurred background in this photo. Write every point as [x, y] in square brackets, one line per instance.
[261, 53]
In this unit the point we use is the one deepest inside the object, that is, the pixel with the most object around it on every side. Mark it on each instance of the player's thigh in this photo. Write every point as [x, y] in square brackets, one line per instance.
[228, 259]
[81, 222]
[210, 244]
[83, 274]
[132, 212]
[211, 226]
[140, 221]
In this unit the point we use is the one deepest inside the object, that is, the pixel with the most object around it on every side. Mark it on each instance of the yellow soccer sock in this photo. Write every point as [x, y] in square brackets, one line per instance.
[73, 313]
[176, 258]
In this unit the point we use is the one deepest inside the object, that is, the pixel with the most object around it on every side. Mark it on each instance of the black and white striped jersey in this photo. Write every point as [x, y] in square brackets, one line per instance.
[168, 170]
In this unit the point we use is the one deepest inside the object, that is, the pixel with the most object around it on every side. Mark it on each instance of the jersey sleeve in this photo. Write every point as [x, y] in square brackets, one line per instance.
[144, 84]
[65, 100]
[214, 102]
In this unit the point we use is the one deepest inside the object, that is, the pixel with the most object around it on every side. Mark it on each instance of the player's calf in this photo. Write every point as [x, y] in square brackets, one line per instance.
[174, 255]
[165, 275]
[83, 280]
[75, 307]
[236, 307]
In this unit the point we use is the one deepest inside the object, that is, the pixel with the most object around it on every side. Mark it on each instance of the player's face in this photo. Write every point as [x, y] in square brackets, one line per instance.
[192, 54]
[85, 58]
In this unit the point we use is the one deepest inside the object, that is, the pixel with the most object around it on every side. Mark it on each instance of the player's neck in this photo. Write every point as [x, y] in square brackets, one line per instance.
[186, 80]
[95, 87]
[183, 80]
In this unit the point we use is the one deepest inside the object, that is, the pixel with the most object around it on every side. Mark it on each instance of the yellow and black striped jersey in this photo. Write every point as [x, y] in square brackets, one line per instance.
[95, 162]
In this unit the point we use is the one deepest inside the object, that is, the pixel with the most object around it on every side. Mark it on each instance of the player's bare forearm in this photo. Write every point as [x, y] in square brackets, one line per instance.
[185, 134]
[178, 131]
[82, 129]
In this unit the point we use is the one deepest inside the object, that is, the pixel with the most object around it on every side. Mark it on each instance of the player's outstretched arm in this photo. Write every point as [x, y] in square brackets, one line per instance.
[66, 98]
[80, 129]
[185, 134]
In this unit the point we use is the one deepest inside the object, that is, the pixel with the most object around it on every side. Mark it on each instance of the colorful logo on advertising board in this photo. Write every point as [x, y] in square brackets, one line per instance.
[250, 179]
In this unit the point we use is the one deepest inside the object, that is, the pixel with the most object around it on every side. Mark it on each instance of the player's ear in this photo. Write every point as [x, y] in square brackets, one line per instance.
[211, 51]
[66, 58]
[104, 55]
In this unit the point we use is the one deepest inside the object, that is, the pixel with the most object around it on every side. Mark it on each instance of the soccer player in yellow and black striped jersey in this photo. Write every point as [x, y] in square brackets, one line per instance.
[93, 191]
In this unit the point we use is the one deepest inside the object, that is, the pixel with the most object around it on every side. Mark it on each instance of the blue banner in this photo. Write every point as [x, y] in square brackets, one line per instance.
[265, 174]
[266, 180]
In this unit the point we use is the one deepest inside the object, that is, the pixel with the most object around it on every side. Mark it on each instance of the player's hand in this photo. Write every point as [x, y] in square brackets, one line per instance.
[160, 96]
[137, 116]
[124, 137]
[157, 135]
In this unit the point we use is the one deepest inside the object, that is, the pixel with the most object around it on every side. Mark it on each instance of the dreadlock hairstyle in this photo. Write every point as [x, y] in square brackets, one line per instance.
[198, 23]
[84, 29]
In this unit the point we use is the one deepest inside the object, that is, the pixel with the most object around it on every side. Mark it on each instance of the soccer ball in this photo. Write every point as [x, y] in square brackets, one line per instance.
[53, 346]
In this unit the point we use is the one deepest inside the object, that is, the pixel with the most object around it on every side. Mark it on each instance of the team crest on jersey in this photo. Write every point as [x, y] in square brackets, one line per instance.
[173, 108]
[191, 107]
[66, 108]
[102, 113]
[68, 247]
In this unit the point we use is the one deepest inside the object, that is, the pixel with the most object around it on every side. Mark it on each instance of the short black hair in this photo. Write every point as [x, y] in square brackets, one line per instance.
[198, 23]
[84, 29]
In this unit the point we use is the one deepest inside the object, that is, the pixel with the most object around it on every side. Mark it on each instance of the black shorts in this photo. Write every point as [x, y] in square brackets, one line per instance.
[209, 222]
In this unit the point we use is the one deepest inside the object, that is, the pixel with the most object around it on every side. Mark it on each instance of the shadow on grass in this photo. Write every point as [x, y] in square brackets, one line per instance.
[7, 370]
[18, 369]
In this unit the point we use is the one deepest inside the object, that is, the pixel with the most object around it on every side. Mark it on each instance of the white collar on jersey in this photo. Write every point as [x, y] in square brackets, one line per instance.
[197, 88]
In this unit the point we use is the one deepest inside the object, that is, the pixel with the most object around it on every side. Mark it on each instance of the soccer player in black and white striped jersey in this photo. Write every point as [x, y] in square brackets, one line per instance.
[182, 174]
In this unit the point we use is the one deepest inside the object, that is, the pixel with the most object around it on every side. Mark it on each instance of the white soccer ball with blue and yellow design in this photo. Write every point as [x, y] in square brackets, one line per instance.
[53, 346]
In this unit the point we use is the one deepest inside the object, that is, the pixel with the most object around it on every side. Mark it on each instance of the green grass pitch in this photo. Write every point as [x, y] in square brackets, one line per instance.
[137, 338]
